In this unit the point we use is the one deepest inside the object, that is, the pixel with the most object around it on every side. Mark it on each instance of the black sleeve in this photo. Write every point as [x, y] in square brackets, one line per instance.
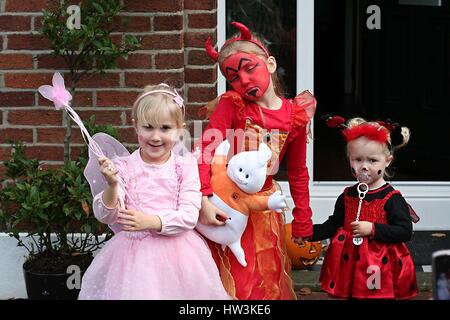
[328, 228]
[399, 227]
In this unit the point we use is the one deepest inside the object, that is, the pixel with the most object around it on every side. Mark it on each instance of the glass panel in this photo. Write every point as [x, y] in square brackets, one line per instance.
[274, 22]
[399, 72]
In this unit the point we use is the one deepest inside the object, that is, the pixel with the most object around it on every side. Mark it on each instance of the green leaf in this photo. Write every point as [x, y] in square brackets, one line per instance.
[98, 8]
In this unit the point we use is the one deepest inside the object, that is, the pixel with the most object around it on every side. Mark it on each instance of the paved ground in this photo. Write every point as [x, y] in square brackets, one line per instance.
[307, 286]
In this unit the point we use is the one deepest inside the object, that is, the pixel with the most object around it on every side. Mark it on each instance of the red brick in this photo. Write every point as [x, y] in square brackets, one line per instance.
[141, 79]
[16, 99]
[103, 117]
[35, 117]
[106, 80]
[169, 60]
[5, 153]
[48, 61]
[28, 42]
[200, 75]
[201, 94]
[10, 134]
[27, 80]
[81, 99]
[132, 23]
[199, 57]
[162, 41]
[2, 173]
[115, 98]
[15, 23]
[75, 152]
[197, 39]
[52, 153]
[168, 23]
[200, 4]
[37, 23]
[153, 5]
[56, 135]
[127, 135]
[192, 111]
[27, 6]
[16, 61]
[47, 166]
[202, 21]
[135, 61]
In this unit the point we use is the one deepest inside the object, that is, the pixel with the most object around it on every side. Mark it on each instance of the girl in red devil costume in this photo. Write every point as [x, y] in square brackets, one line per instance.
[257, 113]
[367, 257]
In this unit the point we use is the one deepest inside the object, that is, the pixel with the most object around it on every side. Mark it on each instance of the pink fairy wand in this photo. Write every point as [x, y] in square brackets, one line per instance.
[61, 98]
[59, 95]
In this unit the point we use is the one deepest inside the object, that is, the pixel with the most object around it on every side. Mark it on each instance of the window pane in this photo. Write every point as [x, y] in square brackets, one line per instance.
[400, 71]
[274, 22]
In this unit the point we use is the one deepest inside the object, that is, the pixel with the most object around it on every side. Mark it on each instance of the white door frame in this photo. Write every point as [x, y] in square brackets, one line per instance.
[431, 200]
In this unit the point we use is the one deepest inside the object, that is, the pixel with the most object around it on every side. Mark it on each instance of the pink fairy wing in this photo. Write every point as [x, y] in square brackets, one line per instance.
[112, 149]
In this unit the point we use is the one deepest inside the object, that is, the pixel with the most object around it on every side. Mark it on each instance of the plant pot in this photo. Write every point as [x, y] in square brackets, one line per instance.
[51, 286]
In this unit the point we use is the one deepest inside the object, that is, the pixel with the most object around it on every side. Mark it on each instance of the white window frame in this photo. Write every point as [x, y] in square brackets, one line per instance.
[431, 200]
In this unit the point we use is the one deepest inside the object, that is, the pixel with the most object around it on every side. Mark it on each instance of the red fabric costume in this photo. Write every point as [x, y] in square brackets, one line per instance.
[267, 273]
[381, 267]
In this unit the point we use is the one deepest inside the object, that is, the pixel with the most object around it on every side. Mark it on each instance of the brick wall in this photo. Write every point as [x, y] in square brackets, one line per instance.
[173, 34]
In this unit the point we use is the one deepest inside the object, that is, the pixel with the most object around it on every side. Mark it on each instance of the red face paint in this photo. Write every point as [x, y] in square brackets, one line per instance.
[247, 74]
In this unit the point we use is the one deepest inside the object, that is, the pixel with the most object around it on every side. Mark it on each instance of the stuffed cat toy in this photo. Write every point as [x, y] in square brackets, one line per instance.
[234, 192]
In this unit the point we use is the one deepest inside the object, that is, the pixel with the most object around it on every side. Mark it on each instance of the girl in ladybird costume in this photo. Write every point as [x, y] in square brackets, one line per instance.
[367, 257]
[253, 112]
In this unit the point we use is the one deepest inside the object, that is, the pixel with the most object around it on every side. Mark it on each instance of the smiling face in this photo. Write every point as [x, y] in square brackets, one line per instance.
[247, 73]
[368, 161]
[156, 141]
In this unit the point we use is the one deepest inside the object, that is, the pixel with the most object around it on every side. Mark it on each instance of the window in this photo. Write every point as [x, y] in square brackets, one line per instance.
[399, 72]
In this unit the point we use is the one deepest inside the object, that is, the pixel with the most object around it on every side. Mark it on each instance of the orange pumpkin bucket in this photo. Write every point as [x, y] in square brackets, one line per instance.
[304, 255]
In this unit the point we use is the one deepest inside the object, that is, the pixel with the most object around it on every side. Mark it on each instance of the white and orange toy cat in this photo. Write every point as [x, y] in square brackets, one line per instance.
[235, 189]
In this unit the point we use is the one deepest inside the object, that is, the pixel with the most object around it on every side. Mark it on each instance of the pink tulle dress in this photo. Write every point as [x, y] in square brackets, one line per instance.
[174, 263]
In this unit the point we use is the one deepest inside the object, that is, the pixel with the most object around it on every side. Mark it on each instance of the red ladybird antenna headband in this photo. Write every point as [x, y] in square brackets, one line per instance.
[245, 35]
[387, 132]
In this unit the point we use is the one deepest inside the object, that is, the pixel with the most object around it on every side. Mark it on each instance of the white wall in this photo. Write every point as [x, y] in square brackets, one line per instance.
[12, 284]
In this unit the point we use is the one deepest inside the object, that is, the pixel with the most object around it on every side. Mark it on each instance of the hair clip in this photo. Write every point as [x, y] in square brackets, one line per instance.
[176, 97]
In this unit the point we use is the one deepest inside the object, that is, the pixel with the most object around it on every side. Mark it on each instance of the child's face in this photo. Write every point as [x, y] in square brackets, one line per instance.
[247, 73]
[156, 143]
[368, 159]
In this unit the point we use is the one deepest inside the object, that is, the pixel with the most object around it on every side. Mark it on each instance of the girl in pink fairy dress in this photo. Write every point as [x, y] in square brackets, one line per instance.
[155, 253]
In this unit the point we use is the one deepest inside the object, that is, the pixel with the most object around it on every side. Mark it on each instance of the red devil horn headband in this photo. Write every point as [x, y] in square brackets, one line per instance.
[245, 35]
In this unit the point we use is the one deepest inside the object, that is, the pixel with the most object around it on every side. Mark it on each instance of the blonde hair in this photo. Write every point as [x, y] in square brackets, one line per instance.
[249, 47]
[404, 133]
[151, 108]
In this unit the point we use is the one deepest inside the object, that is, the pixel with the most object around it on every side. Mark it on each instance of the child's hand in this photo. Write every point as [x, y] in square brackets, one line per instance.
[210, 214]
[108, 170]
[361, 228]
[300, 240]
[133, 220]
